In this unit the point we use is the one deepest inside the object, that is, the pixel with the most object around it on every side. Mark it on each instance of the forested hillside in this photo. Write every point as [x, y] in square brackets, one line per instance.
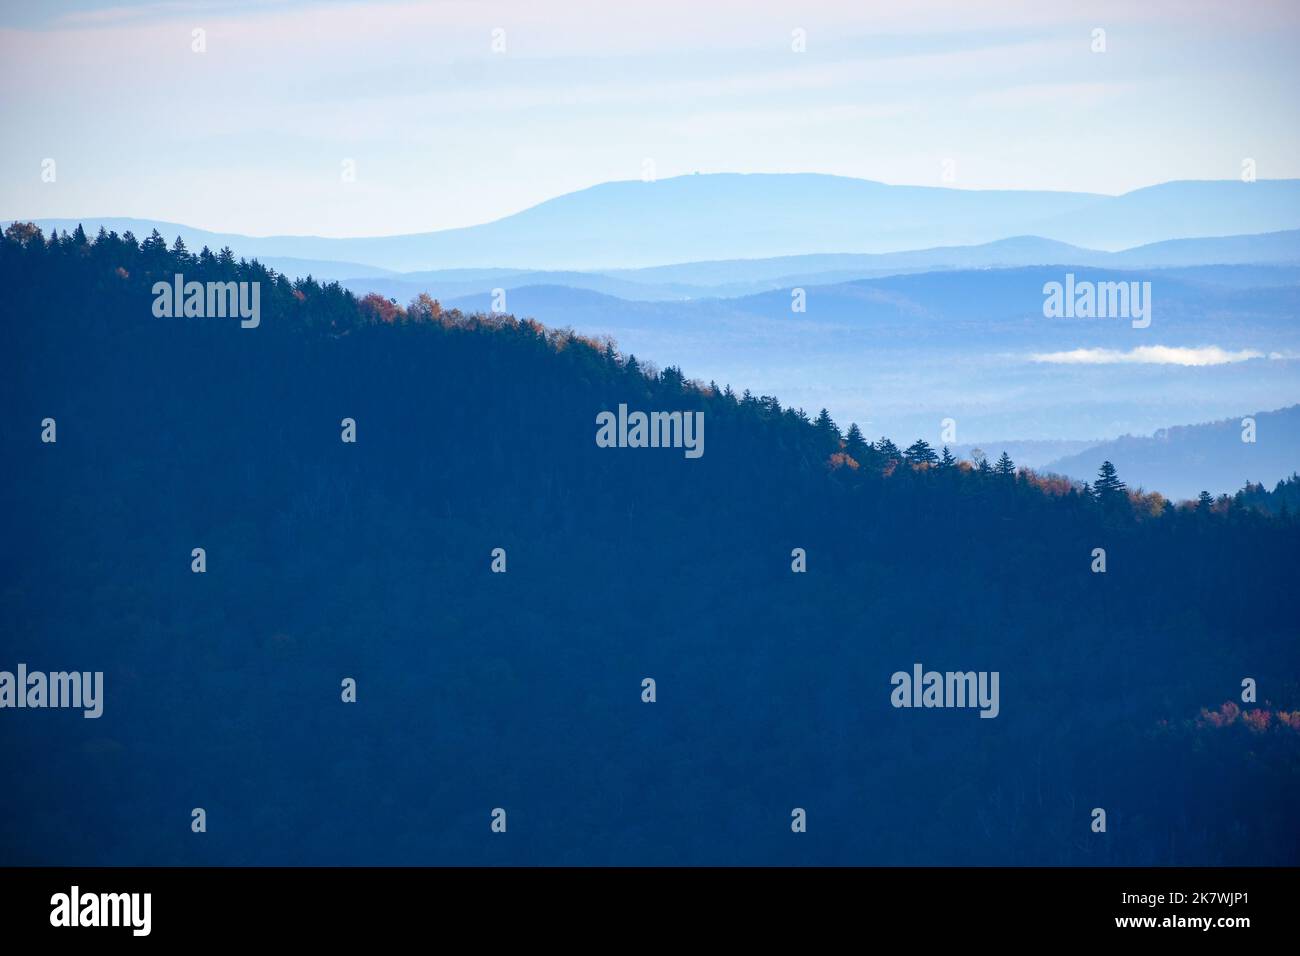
[522, 690]
[1184, 460]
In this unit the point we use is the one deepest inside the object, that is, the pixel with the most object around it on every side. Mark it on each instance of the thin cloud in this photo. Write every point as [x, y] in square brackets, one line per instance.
[1152, 355]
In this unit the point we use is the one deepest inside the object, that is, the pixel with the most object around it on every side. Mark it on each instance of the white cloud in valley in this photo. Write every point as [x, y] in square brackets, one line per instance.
[1153, 355]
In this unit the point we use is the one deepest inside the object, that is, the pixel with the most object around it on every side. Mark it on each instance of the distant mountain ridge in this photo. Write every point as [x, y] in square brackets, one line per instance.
[721, 216]
[1182, 461]
[730, 278]
[741, 277]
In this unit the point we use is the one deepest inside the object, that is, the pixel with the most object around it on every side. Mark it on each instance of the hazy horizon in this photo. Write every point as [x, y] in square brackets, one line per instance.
[97, 216]
[454, 114]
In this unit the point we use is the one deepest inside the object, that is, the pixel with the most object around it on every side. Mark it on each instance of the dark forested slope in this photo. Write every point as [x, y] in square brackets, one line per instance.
[523, 690]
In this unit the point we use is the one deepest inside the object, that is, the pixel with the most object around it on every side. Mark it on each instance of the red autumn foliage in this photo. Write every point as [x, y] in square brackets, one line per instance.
[378, 309]
[1225, 716]
[1258, 719]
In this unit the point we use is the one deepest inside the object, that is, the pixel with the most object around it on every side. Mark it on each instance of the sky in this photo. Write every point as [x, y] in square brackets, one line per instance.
[257, 133]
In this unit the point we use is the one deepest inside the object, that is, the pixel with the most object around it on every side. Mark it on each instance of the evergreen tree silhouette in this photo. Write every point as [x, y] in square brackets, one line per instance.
[1108, 487]
[828, 435]
[824, 425]
[920, 453]
[855, 446]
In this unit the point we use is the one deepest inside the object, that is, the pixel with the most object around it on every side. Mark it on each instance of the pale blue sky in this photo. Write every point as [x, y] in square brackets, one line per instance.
[250, 136]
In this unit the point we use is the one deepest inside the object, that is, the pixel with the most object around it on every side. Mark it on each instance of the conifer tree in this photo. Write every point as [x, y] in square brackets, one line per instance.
[826, 428]
[855, 446]
[920, 453]
[1108, 487]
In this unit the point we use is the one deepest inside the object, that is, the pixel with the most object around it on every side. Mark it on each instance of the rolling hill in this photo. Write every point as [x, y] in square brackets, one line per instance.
[1184, 460]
